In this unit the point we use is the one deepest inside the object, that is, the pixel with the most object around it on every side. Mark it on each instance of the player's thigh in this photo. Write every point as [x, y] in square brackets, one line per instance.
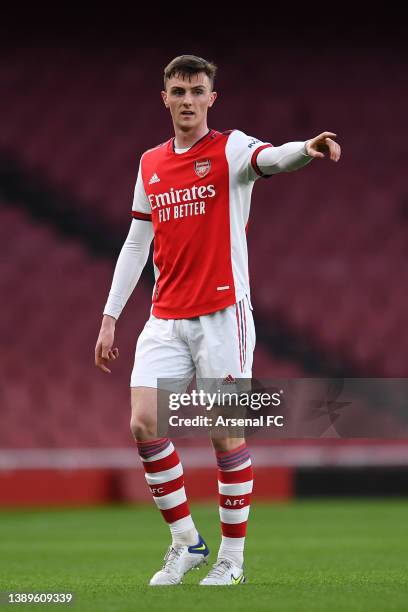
[150, 413]
[143, 410]
[162, 357]
[224, 342]
[163, 364]
[224, 356]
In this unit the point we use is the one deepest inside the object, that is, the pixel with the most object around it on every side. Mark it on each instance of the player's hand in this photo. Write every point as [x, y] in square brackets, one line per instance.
[104, 353]
[324, 143]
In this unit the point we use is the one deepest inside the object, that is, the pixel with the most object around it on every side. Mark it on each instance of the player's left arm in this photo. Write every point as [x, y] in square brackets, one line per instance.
[294, 155]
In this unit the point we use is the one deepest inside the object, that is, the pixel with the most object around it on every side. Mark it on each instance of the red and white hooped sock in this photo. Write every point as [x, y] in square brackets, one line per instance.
[164, 475]
[235, 481]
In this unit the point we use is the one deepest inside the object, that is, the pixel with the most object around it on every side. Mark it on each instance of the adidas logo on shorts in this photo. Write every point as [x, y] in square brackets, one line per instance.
[229, 380]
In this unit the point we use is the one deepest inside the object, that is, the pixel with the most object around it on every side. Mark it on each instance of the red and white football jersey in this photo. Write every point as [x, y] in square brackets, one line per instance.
[198, 202]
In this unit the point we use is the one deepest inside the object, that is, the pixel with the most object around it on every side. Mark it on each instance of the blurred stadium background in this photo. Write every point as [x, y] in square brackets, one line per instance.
[328, 244]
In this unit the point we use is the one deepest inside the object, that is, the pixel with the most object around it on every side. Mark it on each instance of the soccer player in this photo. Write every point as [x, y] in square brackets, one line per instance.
[192, 195]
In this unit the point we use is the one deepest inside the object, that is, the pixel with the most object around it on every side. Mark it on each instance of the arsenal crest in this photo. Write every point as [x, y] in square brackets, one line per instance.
[202, 167]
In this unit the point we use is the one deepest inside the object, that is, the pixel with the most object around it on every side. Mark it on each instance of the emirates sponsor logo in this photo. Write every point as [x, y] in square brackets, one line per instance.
[202, 167]
[178, 196]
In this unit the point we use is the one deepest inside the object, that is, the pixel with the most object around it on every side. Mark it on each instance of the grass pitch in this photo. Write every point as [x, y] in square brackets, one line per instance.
[306, 556]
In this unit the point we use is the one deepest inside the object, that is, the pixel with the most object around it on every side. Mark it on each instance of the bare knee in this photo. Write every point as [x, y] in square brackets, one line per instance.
[143, 422]
[141, 430]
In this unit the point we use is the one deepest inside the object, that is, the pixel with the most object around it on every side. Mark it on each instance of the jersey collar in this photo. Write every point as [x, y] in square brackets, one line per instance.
[199, 142]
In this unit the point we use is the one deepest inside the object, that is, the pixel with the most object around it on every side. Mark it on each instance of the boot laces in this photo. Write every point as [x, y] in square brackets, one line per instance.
[220, 568]
[171, 558]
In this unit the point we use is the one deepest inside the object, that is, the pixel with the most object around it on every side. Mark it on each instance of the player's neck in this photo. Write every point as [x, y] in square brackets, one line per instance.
[184, 139]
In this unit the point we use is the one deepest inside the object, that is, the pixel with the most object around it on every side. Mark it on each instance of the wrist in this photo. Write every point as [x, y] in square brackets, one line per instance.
[108, 321]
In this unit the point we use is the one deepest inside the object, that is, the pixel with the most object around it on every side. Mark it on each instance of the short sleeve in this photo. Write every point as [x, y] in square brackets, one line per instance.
[141, 208]
[242, 152]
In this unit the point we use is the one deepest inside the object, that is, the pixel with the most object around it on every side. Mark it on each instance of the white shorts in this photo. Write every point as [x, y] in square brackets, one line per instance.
[219, 345]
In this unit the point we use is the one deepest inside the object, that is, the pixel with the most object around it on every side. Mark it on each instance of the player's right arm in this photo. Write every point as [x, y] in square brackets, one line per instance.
[129, 266]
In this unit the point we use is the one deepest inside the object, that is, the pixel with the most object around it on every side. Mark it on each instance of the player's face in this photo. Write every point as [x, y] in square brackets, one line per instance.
[189, 100]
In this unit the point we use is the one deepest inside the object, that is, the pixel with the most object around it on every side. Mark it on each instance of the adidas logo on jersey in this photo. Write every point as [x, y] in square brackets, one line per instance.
[154, 179]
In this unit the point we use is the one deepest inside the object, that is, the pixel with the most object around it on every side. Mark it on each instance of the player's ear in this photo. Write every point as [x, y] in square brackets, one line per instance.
[164, 96]
[213, 97]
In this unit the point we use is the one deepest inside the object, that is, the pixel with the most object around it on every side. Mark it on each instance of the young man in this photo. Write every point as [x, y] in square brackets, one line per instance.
[193, 196]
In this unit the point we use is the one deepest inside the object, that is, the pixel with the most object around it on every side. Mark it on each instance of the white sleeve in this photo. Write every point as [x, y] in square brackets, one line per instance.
[141, 208]
[286, 158]
[242, 151]
[131, 261]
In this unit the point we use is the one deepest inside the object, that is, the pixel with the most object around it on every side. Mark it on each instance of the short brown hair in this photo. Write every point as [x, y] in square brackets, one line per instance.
[187, 66]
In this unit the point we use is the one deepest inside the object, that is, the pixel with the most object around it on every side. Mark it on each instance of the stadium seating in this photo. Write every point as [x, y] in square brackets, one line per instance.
[53, 293]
